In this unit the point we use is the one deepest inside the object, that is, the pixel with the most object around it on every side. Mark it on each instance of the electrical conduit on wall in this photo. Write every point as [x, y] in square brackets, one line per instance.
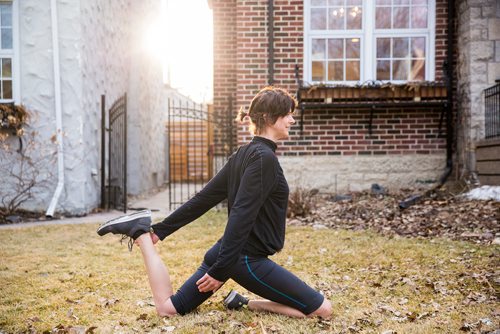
[58, 109]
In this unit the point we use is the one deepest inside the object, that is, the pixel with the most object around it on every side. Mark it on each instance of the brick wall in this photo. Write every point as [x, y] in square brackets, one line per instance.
[394, 132]
[441, 37]
[224, 18]
[346, 132]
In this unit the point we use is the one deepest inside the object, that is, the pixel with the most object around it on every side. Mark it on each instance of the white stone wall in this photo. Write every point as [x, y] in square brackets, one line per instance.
[148, 103]
[105, 53]
[339, 174]
[36, 73]
[478, 66]
[37, 85]
[101, 52]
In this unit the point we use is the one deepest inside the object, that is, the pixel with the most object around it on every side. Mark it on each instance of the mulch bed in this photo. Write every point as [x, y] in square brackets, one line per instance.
[440, 214]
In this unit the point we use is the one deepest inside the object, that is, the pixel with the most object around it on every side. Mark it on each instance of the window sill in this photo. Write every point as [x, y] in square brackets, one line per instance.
[373, 93]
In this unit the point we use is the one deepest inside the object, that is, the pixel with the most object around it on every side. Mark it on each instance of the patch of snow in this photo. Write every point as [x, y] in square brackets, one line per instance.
[484, 193]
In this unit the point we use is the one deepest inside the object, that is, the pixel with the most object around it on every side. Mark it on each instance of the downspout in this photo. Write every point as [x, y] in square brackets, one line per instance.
[448, 73]
[449, 92]
[270, 31]
[57, 97]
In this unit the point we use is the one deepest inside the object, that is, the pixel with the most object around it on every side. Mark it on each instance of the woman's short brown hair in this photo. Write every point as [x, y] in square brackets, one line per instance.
[267, 106]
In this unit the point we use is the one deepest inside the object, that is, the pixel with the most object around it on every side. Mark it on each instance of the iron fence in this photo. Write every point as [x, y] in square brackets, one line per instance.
[200, 140]
[492, 111]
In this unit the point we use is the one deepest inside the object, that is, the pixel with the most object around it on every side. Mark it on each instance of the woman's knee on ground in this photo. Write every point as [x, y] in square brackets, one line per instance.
[166, 309]
[324, 311]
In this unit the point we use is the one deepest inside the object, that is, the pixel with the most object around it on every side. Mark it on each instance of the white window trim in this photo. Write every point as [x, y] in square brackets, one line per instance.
[16, 82]
[368, 45]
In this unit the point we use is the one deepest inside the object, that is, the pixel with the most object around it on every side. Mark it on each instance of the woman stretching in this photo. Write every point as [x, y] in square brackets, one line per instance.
[256, 190]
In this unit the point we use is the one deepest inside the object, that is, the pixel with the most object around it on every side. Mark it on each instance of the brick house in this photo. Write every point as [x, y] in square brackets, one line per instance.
[376, 82]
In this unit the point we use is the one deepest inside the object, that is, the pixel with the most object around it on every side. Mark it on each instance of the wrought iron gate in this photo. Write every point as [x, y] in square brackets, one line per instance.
[114, 188]
[199, 143]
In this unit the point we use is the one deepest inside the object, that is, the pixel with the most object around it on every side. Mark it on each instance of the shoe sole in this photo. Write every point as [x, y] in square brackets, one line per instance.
[230, 297]
[124, 219]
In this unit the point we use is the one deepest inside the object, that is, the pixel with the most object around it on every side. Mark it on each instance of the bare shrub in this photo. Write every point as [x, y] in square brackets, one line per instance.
[25, 169]
[301, 202]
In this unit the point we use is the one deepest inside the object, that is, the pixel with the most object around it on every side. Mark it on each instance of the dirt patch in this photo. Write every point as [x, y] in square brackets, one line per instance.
[441, 214]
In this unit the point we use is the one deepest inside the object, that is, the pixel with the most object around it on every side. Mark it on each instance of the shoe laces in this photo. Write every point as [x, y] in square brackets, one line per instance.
[130, 241]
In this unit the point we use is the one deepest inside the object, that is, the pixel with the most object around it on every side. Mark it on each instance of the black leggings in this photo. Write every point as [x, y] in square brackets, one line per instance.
[256, 274]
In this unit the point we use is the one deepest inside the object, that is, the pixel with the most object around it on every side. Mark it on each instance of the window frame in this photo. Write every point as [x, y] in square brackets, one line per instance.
[368, 35]
[13, 53]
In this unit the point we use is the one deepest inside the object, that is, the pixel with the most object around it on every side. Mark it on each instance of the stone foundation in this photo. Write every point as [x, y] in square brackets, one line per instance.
[354, 173]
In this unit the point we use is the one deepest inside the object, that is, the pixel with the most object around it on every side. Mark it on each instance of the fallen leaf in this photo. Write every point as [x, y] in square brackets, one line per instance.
[76, 330]
[91, 330]
[73, 301]
[167, 329]
[108, 302]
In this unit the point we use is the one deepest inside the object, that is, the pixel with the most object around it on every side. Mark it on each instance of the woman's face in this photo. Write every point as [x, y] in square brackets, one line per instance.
[282, 125]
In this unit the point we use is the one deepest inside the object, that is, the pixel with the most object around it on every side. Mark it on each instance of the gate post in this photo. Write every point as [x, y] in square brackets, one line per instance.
[103, 151]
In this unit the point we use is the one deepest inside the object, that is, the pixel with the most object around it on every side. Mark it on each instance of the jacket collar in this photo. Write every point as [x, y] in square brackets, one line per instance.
[272, 145]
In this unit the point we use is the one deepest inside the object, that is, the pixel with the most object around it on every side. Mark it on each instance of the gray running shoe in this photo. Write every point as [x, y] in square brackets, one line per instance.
[235, 301]
[130, 226]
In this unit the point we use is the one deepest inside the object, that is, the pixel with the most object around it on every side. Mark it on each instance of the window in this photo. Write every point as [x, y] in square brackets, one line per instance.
[6, 51]
[352, 41]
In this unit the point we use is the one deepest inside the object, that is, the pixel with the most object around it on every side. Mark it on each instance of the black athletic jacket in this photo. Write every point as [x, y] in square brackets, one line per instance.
[257, 193]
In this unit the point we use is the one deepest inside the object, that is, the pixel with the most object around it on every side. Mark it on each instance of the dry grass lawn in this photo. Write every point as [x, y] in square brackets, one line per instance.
[67, 279]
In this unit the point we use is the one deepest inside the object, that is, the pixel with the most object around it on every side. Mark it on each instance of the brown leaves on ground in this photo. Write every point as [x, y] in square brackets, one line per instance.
[439, 215]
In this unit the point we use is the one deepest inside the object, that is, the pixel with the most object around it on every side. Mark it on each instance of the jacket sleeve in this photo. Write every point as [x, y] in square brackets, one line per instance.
[212, 194]
[257, 182]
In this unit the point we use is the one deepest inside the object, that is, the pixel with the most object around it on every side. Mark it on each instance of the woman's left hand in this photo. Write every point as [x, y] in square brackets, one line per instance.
[208, 283]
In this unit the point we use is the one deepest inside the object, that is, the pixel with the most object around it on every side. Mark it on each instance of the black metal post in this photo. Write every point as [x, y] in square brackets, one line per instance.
[125, 154]
[270, 28]
[103, 151]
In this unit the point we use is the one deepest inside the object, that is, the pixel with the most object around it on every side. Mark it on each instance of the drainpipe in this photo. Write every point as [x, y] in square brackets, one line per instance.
[448, 73]
[57, 97]
[270, 32]
[449, 91]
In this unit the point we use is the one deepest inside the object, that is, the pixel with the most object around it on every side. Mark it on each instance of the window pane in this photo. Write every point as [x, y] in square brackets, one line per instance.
[419, 17]
[401, 2]
[401, 48]
[383, 47]
[383, 2]
[318, 71]
[352, 70]
[419, 2]
[383, 18]
[336, 48]
[418, 69]
[400, 70]
[7, 89]
[6, 15]
[401, 17]
[6, 38]
[318, 2]
[335, 71]
[418, 47]
[318, 18]
[354, 17]
[354, 2]
[336, 18]
[318, 49]
[336, 2]
[383, 70]
[352, 47]
[6, 68]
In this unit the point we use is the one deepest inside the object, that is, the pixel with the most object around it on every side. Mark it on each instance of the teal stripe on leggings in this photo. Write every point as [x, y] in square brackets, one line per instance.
[270, 287]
